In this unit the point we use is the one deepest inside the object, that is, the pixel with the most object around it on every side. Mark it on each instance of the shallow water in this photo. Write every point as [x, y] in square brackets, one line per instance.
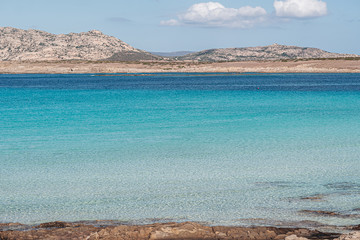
[224, 149]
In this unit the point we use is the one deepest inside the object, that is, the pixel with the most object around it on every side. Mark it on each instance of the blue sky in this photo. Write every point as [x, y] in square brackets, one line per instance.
[174, 25]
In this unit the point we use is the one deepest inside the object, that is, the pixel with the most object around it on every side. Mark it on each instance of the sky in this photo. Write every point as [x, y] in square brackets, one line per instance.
[193, 25]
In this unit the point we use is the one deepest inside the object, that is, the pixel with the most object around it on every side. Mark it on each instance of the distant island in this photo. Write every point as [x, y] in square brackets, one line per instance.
[272, 52]
[35, 51]
[24, 45]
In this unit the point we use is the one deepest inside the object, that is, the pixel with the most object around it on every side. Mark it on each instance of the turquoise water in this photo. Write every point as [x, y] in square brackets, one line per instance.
[230, 149]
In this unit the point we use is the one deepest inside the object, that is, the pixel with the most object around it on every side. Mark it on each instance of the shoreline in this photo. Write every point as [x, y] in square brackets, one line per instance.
[93, 230]
[290, 66]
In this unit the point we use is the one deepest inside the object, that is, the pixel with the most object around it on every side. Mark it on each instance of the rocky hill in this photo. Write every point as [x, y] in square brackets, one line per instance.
[35, 45]
[18, 44]
[272, 52]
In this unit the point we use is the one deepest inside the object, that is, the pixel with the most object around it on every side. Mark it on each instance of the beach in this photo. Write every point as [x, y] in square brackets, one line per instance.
[288, 66]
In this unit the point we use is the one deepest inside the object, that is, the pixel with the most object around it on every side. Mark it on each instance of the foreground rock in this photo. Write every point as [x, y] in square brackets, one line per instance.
[57, 230]
[161, 231]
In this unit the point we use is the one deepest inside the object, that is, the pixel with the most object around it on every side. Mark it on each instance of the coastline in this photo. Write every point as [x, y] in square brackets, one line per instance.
[93, 230]
[291, 66]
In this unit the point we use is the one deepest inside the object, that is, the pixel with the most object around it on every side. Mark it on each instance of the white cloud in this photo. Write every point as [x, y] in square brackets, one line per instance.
[214, 14]
[300, 8]
[171, 22]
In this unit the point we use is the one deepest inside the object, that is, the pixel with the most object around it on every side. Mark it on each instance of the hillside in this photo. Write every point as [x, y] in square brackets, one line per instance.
[34, 45]
[272, 52]
[18, 44]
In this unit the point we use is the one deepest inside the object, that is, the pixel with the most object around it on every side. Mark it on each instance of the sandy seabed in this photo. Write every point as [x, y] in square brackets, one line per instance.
[291, 66]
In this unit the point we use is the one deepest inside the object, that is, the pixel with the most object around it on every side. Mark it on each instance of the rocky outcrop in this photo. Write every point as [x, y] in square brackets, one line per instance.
[160, 231]
[60, 230]
[272, 52]
[35, 45]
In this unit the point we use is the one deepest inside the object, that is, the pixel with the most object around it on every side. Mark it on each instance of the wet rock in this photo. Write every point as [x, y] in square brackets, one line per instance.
[329, 214]
[12, 226]
[314, 234]
[319, 212]
[56, 224]
[319, 197]
[343, 186]
[356, 227]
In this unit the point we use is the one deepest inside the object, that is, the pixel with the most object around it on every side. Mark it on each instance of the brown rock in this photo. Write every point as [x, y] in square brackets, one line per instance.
[303, 232]
[253, 235]
[237, 233]
[56, 224]
[78, 232]
[221, 235]
[186, 230]
[280, 237]
[270, 234]
[294, 237]
[356, 227]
